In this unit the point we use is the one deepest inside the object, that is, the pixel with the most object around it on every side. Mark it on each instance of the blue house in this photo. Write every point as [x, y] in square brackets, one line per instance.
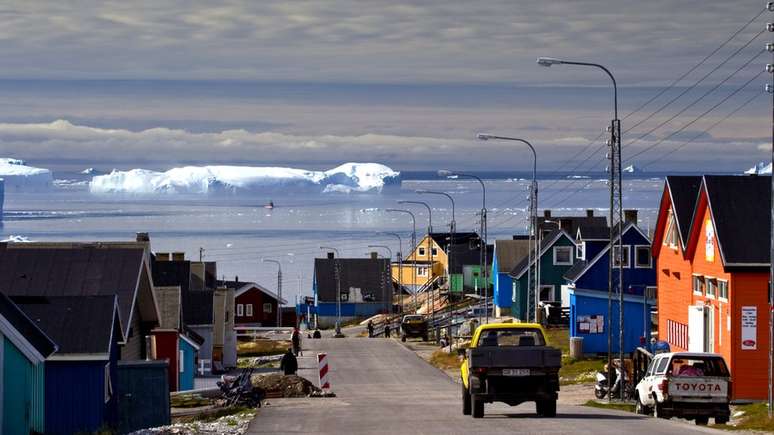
[587, 286]
[189, 347]
[23, 350]
[507, 254]
[81, 376]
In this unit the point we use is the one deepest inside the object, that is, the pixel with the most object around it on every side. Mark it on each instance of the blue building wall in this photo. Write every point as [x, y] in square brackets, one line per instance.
[186, 377]
[23, 398]
[503, 287]
[636, 321]
[594, 247]
[75, 397]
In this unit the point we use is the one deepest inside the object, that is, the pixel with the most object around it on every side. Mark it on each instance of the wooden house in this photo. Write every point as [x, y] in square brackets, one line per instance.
[711, 247]
[255, 305]
[507, 254]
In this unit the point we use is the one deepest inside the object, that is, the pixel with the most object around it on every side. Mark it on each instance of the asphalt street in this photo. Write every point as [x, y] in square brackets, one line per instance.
[382, 387]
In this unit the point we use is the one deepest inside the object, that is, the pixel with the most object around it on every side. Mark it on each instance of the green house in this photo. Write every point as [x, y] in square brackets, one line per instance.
[23, 350]
[557, 255]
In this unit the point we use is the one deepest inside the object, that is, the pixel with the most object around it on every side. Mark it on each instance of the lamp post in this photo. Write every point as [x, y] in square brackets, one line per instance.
[447, 173]
[533, 205]
[414, 244]
[770, 89]
[389, 261]
[430, 244]
[400, 268]
[337, 275]
[279, 289]
[616, 214]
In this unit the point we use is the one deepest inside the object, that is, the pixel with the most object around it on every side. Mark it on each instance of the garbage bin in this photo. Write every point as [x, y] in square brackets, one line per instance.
[576, 347]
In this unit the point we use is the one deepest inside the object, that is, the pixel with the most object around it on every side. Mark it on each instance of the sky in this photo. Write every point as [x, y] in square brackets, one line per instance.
[409, 84]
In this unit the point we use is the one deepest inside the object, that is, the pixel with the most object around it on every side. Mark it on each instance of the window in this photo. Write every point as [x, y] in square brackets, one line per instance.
[662, 366]
[617, 257]
[723, 290]
[712, 287]
[422, 252]
[421, 271]
[562, 255]
[698, 285]
[240, 310]
[642, 257]
[435, 252]
[580, 250]
[181, 361]
[651, 293]
[249, 310]
[511, 337]
[670, 236]
[267, 308]
[108, 384]
[651, 367]
[546, 293]
[344, 296]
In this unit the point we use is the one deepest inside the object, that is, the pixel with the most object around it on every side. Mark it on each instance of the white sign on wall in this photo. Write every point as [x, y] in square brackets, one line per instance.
[749, 328]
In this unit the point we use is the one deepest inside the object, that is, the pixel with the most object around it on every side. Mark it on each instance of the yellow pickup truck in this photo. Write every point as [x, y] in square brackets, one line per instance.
[510, 363]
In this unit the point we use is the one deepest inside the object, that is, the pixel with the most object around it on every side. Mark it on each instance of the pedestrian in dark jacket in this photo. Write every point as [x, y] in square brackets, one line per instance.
[289, 363]
[295, 338]
[316, 334]
[387, 330]
[370, 329]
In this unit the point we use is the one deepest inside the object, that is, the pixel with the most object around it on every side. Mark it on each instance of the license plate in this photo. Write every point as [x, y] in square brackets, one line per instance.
[515, 372]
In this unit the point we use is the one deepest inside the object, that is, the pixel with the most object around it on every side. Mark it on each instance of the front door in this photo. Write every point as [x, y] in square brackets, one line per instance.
[699, 329]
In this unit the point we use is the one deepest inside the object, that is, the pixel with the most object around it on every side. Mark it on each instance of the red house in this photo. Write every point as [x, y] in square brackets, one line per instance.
[711, 246]
[255, 305]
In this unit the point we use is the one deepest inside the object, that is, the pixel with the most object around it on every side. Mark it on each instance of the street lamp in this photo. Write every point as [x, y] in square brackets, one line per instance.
[400, 267]
[414, 244]
[616, 213]
[337, 274]
[279, 289]
[448, 173]
[430, 244]
[533, 205]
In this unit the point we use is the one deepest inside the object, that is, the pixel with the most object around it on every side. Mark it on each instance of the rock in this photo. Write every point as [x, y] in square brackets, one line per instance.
[283, 385]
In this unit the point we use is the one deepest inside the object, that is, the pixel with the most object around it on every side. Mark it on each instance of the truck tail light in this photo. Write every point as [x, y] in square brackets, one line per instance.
[479, 370]
[664, 386]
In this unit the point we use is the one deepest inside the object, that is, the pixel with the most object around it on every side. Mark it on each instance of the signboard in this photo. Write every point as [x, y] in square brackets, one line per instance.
[593, 324]
[709, 245]
[749, 328]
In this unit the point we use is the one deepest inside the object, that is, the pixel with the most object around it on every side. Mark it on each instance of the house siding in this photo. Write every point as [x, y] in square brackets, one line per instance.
[186, 376]
[75, 394]
[23, 393]
[132, 350]
[257, 298]
[549, 275]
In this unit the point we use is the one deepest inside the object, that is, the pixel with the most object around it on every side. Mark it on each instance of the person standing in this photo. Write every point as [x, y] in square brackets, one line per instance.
[295, 338]
[387, 330]
[289, 363]
[370, 329]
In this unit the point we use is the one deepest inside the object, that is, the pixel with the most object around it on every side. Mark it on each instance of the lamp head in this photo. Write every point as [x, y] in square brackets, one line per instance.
[483, 136]
[548, 61]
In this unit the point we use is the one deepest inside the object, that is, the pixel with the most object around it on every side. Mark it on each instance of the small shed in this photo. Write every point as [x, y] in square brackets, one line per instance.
[186, 361]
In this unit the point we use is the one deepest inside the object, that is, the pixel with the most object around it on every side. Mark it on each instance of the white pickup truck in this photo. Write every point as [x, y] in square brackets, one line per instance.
[695, 386]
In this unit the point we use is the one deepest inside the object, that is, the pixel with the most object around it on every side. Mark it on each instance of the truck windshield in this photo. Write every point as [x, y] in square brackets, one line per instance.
[512, 337]
[698, 366]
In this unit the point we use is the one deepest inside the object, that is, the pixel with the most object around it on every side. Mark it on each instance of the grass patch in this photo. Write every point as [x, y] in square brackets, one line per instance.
[755, 418]
[247, 362]
[579, 371]
[188, 401]
[614, 405]
[262, 347]
[444, 360]
[559, 338]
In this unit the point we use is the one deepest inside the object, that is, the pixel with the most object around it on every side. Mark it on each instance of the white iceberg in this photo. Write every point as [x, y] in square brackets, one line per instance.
[631, 169]
[760, 168]
[349, 177]
[18, 176]
[91, 171]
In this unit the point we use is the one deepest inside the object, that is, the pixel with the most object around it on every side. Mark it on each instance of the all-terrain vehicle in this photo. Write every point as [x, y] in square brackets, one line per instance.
[413, 325]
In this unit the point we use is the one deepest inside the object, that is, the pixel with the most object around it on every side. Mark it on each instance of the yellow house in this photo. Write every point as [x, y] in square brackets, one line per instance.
[431, 259]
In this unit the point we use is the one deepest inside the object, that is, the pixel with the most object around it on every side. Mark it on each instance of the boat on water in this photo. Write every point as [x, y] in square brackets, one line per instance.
[269, 205]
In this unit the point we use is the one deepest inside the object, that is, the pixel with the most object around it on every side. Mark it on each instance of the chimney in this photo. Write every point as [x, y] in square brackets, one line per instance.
[236, 278]
[330, 256]
[546, 214]
[197, 276]
[142, 237]
[589, 212]
[178, 256]
[630, 216]
[374, 256]
[162, 256]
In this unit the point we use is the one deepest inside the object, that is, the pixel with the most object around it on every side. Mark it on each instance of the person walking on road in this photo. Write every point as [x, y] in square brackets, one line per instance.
[289, 363]
[295, 338]
[370, 329]
[387, 330]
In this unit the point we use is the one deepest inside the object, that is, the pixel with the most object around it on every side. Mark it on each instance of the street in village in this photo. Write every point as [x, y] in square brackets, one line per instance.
[382, 386]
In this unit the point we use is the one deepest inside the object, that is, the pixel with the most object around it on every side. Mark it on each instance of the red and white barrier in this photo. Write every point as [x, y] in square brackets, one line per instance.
[322, 364]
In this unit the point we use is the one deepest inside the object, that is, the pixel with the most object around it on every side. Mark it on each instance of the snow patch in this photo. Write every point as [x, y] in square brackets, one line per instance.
[19, 176]
[347, 178]
[16, 239]
[760, 168]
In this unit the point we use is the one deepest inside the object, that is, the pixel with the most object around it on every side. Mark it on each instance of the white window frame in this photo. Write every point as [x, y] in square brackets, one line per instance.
[240, 310]
[720, 297]
[269, 306]
[421, 270]
[694, 278]
[248, 310]
[626, 257]
[636, 257]
[553, 292]
[181, 361]
[708, 282]
[570, 256]
[580, 250]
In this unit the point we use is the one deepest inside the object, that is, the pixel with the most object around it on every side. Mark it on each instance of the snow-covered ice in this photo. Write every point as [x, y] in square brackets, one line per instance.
[349, 177]
[19, 176]
[760, 168]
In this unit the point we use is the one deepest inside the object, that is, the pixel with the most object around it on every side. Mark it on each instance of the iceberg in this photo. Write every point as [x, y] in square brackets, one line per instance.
[631, 169]
[346, 178]
[760, 168]
[91, 171]
[19, 176]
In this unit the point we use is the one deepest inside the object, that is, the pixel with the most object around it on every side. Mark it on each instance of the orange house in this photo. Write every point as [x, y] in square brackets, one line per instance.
[711, 246]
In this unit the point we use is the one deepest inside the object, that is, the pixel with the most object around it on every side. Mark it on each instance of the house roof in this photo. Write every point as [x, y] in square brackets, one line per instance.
[579, 268]
[509, 253]
[740, 208]
[683, 191]
[77, 324]
[371, 275]
[548, 241]
[443, 240]
[576, 270]
[26, 328]
[171, 273]
[571, 223]
[77, 270]
[197, 307]
[590, 232]
[465, 255]
[193, 335]
[242, 287]
[169, 300]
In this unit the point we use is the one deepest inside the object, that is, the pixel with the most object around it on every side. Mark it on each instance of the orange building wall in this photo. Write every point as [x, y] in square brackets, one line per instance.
[750, 370]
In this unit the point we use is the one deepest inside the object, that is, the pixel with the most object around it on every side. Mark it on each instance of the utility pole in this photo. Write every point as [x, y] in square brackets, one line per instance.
[337, 276]
[279, 289]
[201, 254]
[770, 89]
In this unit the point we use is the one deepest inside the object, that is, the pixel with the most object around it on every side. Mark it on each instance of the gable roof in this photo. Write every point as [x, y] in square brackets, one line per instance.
[570, 223]
[509, 253]
[169, 300]
[579, 268]
[242, 287]
[82, 325]
[466, 255]
[546, 243]
[23, 332]
[371, 275]
[740, 207]
[683, 191]
[88, 269]
[589, 233]
[197, 307]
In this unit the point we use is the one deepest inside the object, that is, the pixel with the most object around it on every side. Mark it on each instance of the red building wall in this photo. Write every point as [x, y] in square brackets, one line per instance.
[167, 348]
[257, 298]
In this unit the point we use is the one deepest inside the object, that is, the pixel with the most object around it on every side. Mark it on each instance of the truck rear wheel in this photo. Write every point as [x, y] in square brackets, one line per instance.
[403, 338]
[466, 407]
[658, 411]
[702, 421]
[546, 408]
[477, 406]
[640, 408]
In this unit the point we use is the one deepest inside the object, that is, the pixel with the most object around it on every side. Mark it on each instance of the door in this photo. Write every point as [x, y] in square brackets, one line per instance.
[698, 329]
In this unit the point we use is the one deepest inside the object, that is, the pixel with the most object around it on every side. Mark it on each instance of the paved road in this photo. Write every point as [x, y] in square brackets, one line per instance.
[383, 387]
